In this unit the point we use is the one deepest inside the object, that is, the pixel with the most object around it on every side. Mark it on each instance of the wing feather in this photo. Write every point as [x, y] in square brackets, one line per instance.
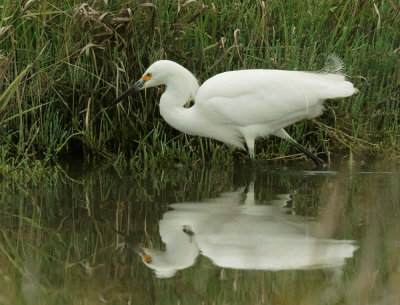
[250, 97]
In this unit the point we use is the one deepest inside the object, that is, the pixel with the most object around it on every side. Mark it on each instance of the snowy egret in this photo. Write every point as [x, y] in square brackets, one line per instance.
[237, 107]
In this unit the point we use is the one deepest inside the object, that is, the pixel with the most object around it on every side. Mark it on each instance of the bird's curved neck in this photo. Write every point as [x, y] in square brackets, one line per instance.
[181, 88]
[176, 95]
[175, 114]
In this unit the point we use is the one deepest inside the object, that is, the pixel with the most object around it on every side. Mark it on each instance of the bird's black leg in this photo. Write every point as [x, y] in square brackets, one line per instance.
[284, 135]
[318, 162]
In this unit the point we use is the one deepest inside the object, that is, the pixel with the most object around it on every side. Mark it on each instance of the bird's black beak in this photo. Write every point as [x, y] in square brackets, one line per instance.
[136, 86]
[138, 250]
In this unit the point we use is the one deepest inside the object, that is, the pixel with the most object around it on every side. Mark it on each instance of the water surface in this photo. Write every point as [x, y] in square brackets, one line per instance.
[240, 234]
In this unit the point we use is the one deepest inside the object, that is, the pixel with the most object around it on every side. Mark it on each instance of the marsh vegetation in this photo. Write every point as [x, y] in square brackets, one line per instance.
[62, 63]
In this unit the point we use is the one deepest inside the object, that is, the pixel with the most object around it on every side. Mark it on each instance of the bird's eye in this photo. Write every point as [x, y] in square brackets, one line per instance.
[148, 74]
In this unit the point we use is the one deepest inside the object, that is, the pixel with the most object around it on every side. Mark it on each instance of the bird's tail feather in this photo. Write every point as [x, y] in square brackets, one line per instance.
[333, 65]
[335, 70]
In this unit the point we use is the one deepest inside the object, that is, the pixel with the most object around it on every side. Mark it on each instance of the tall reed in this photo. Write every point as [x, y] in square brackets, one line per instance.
[63, 63]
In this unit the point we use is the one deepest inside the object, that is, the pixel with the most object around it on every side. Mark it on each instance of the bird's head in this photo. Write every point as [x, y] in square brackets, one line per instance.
[162, 72]
[155, 75]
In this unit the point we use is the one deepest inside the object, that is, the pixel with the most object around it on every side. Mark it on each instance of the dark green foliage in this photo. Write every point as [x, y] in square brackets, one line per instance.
[62, 63]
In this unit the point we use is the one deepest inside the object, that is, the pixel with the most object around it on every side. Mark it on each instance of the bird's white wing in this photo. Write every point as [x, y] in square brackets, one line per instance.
[250, 97]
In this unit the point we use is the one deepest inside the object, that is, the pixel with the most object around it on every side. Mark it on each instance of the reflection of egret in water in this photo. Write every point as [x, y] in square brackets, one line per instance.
[242, 235]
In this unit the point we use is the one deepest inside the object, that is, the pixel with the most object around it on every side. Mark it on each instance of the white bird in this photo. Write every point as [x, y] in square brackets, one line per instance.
[239, 106]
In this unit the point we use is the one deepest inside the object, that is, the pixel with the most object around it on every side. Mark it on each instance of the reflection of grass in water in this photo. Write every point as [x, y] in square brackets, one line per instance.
[377, 213]
[58, 244]
[65, 226]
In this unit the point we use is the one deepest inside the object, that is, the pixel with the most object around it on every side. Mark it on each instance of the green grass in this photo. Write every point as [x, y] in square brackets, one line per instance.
[62, 63]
